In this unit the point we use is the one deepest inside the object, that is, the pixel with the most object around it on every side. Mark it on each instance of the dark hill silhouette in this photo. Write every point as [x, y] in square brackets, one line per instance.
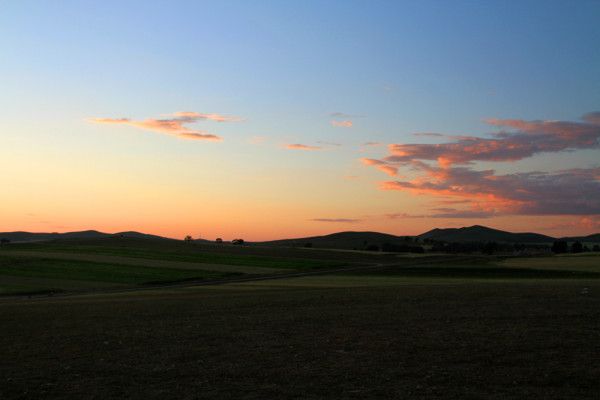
[20, 236]
[139, 235]
[478, 233]
[590, 238]
[342, 240]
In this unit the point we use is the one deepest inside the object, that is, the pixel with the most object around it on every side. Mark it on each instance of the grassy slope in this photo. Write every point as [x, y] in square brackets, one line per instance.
[579, 262]
[85, 264]
[134, 262]
[143, 262]
[174, 252]
[491, 268]
[38, 275]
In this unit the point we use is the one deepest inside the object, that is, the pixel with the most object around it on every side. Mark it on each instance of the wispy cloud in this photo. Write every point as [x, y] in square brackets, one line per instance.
[404, 215]
[342, 124]
[194, 116]
[344, 115]
[336, 220]
[591, 223]
[449, 213]
[428, 134]
[343, 120]
[381, 165]
[175, 125]
[329, 143]
[299, 146]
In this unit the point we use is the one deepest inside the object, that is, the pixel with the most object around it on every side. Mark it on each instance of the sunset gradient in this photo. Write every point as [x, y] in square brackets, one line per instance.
[266, 120]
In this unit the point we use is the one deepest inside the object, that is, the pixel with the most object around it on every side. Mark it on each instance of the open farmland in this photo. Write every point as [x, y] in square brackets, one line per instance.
[585, 262]
[313, 338]
[446, 327]
[439, 327]
[62, 266]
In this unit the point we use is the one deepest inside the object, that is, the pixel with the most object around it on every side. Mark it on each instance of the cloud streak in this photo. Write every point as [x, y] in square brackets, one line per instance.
[381, 165]
[174, 125]
[299, 146]
[449, 213]
[342, 120]
[342, 124]
[336, 220]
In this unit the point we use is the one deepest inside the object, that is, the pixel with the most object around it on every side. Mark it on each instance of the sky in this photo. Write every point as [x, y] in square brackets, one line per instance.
[273, 119]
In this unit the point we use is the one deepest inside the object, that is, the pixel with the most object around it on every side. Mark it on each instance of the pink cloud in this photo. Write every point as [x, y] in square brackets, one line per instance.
[485, 193]
[381, 165]
[342, 124]
[194, 116]
[567, 192]
[299, 146]
[448, 213]
[388, 169]
[590, 223]
[174, 126]
[336, 220]
[522, 139]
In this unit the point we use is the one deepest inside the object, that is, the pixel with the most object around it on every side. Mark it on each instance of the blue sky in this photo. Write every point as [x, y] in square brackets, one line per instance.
[396, 67]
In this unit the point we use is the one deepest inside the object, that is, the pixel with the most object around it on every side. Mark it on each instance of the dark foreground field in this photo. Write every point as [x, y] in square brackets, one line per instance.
[312, 338]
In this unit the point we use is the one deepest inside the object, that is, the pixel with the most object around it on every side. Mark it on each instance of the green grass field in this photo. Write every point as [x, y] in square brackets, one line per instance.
[175, 252]
[570, 262]
[90, 271]
[64, 266]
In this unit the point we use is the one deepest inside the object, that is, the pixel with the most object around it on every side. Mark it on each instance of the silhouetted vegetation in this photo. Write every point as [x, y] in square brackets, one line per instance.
[4, 241]
[188, 238]
[577, 247]
[401, 248]
[560, 247]
[489, 248]
[238, 241]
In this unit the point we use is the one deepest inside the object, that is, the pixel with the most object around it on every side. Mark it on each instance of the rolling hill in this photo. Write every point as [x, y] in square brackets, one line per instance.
[359, 240]
[478, 233]
[20, 236]
[595, 238]
[340, 240]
